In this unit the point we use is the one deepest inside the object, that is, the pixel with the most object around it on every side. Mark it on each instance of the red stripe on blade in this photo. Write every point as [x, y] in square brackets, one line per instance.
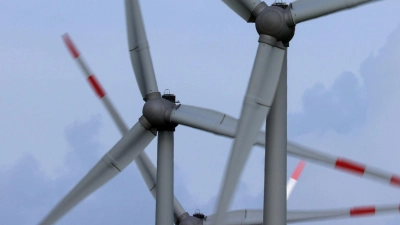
[350, 166]
[362, 211]
[96, 86]
[70, 46]
[297, 171]
[395, 180]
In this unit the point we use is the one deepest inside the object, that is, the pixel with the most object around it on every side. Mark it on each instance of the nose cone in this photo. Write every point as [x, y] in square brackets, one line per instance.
[190, 220]
[271, 21]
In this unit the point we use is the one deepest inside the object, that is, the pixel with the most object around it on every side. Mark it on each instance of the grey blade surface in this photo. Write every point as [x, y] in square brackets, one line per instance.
[210, 121]
[303, 10]
[120, 156]
[242, 8]
[259, 96]
[139, 49]
[251, 4]
[225, 125]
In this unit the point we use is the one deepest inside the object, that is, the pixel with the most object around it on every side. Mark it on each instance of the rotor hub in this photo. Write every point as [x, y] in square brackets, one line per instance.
[276, 21]
[157, 112]
[191, 220]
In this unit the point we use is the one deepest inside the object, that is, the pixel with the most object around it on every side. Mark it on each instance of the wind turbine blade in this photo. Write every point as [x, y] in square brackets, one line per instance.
[303, 10]
[209, 120]
[95, 84]
[293, 179]
[255, 216]
[146, 167]
[120, 156]
[239, 217]
[242, 8]
[302, 216]
[225, 125]
[205, 119]
[258, 100]
[343, 164]
[139, 49]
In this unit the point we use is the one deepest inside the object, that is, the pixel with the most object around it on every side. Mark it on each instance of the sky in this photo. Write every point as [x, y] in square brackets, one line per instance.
[343, 79]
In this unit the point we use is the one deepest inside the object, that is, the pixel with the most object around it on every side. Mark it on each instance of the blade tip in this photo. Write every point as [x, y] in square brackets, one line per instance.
[298, 170]
[70, 45]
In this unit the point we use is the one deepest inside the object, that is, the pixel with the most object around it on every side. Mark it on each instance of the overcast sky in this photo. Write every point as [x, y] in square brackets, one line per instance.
[343, 99]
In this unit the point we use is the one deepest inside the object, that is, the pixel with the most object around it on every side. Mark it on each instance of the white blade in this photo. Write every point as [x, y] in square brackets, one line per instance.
[302, 216]
[343, 164]
[225, 125]
[242, 8]
[139, 49]
[258, 100]
[303, 10]
[97, 88]
[293, 179]
[120, 156]
[146, 167]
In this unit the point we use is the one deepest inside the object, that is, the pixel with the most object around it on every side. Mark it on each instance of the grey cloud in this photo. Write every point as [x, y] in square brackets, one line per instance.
[346, 104]
[381, 74]
[340, 108]
[27, 194]
[24, 192]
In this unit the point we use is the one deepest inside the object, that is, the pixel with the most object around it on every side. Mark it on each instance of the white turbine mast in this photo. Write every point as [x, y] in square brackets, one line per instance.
[266, 98]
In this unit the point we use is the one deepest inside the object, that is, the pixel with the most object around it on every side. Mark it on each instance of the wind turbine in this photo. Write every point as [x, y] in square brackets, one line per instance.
[266, 97]
[161, 115]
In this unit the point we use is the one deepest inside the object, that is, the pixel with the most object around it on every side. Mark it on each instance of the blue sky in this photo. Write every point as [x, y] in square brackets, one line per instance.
[343, 99]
